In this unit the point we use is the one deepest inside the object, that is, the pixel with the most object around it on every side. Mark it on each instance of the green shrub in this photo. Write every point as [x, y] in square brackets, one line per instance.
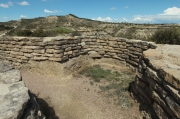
[129, 33]
[23, 33]
[76, 33]
[39, 32]
[166, 36]
[3, 27]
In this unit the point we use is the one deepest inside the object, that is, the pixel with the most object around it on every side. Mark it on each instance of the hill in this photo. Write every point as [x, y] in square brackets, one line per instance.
[73, 25]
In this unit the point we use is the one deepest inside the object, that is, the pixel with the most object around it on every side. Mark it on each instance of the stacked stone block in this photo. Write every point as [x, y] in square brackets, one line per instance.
[157, 88]
[21, 50]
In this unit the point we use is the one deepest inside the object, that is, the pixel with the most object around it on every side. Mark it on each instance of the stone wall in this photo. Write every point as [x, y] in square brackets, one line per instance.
[157, 80]
[21, 50]
[153, 85]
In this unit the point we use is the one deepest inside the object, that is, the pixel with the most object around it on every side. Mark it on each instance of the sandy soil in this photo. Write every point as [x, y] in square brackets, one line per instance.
[73, 97]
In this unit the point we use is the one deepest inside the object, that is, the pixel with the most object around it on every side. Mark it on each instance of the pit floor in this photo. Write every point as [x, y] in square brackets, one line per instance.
[74, 97]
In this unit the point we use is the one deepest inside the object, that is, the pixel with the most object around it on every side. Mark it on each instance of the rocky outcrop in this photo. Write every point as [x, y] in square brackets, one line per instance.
[14, 96]
[158, 80]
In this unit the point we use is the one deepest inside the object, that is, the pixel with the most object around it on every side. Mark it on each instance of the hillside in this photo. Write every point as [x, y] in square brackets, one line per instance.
[73, 25]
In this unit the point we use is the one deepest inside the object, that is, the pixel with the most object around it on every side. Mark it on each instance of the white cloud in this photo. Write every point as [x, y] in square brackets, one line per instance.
[170, 15]
[23, 16]
[4, 5]
[49, 11]
[113, 8]
[10, 3]
[140, 18]
[172, 11]
[124, 20]
[156, 19]
[5, 18]
[23, 3]
[108, 19]
[126, 7]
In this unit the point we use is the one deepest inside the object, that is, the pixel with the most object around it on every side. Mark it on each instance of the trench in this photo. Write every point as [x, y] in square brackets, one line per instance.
[64, 93]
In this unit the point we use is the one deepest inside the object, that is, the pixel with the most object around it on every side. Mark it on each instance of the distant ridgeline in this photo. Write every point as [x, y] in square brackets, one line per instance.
[156, 84]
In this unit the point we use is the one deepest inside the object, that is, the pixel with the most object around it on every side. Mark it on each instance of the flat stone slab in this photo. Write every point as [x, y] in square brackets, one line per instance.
[13, 93]
[5, 66]
[4, 90]
[10, 76]
[94, 54]
[166, 59]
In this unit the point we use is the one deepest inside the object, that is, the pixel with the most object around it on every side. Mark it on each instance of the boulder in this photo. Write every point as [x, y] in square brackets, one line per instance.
[13, 93]
[94, 54]
[14, 96]
[165, 60]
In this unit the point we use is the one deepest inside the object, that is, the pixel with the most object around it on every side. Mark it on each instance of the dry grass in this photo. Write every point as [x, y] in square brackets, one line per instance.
[113, 84]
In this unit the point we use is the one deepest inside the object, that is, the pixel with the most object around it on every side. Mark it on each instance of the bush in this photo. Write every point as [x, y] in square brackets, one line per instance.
[39, 32]
[129, 33]
[166, 36]
[76, 33]
[50, 33]
[3, 27]
[23, 33]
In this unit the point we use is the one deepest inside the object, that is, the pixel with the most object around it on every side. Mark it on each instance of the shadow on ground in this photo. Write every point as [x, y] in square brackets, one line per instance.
[45, 108]
[146, 109]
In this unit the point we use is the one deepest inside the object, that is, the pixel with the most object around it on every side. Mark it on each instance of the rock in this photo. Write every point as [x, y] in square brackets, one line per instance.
[14, 96]
[143, 93]
[174, 93]
[150, 73]
[167, 64]
[175, 107]
[94, 54]
[140, 83]
[40, 58]
[4, 90]
[157, 87]
[101, 52]
[5, 66]
[160, 102]
[160, 112]
[55, 59]
[32, 47]
[13, 101]
[10, 76]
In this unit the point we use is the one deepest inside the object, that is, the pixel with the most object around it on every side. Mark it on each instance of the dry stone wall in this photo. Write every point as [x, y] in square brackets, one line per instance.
[21, 50]
[151, 86]
[157, 80]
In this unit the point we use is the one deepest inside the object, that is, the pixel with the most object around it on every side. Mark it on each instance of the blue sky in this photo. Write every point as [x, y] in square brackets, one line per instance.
[136, 11]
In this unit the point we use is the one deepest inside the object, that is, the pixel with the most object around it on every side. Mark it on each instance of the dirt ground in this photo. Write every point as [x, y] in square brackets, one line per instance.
[74, 97]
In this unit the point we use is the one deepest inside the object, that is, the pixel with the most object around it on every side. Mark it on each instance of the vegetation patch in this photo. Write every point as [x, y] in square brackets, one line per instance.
[113, 84]
[60, 30]
[167, 36]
